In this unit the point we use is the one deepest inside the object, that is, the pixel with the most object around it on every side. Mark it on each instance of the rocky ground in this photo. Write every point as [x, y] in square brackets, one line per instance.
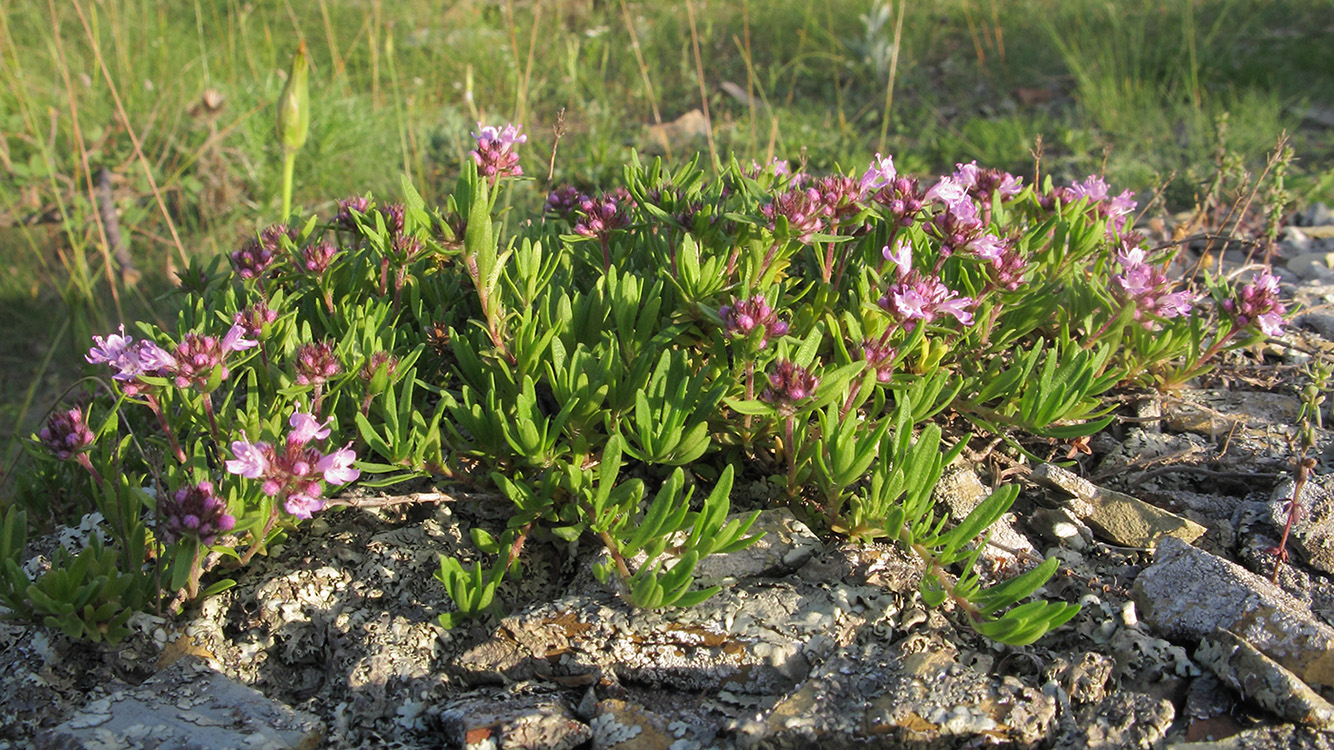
[1165, 529]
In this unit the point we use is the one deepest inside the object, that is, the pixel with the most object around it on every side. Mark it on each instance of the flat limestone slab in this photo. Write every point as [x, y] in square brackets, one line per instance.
[186, 705]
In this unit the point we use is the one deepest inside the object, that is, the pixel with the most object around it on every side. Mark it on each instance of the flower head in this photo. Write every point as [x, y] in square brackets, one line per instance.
[878, 357]
[348, 210]
[788, 385]
[129, 358]
[316, 363]
[1147, 288]
[902, 198]
[1258, 304]
[495, 154]
[306, 428]
[295, 471]
[66, 434]
[802, 209]
[742, 317]
[195, 511]
[564, 201]
[916, 297]
[601, 215]
[254, 319]
[318, 256]
[840, 195]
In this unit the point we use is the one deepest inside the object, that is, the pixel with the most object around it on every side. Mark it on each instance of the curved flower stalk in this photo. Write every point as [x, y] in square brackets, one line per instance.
[132, 361]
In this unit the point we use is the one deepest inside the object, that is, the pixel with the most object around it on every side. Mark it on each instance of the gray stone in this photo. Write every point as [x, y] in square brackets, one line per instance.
[785, 545]
[757, 639]
[1187, 594]
[914, 693]
[495, 719]
[186, 705]
[1260, 679]
[1312, 266]
[1116, 516]
[1319, 321]
[1217, 412]
[1317, 214]
[1285, 737]
[1120, 720]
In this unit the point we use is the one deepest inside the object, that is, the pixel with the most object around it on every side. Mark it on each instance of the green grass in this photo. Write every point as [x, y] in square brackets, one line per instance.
[1134, 87]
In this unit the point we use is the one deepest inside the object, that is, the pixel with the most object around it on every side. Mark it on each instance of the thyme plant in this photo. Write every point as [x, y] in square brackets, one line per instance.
[615, 367]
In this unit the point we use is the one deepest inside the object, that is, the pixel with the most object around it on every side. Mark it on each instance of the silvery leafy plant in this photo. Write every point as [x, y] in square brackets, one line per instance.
[614, 367]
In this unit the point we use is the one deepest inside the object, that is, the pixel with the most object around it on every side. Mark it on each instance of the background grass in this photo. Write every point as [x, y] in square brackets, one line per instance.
[1132, 88]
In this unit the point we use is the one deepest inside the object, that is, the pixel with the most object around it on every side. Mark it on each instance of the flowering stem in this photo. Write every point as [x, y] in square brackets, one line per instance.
[87, 463]
[262, 538]
[789, 428]
[162, 422]
[606, 254]
[1294, 509]
[212, 421]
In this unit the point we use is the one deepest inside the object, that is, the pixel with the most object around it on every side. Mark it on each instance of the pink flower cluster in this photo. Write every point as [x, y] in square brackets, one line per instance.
[495, 155]
[788, 384]
[1258, 303]
[1116, 210]
[742, 317]
[66, 434]
[297, 471]
[916, 296]
[1147, 288]
[599, 216]
[130, 359]
[194, 511]
[200, 359]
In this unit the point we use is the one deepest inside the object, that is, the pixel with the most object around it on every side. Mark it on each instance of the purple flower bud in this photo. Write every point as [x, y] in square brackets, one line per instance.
[394, 216]
[66, 434]
[194, 512]
[316, 363]
[495, 154]
[564, 201]
[1258, 304]
[317, 257]
[255, 318]
[788, 385]
[802, 209]
[199, 357]
[600, 216]
[879, 357]
[740, 318]
[348, 209]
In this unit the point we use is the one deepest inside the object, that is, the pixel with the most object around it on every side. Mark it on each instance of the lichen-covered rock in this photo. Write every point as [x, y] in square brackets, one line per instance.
[1120, 721]
[1120, 518]
[1313, 529]
[186, 705]
[485, 720]
[785, 544]
[1188, 594]
[914, 693]
[752, 639]
[1262, 680]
